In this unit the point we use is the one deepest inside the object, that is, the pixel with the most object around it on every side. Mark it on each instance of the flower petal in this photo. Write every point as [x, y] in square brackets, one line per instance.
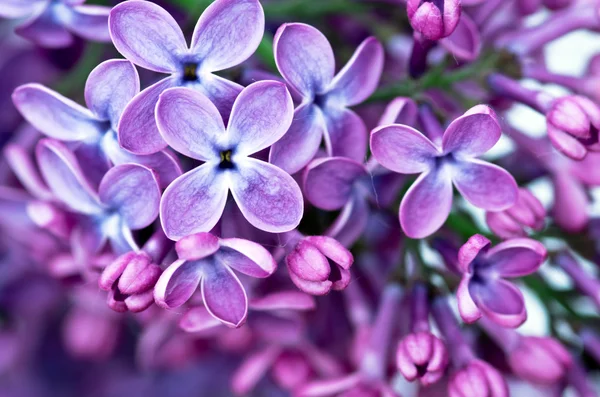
[89, 22]
[400, 110]
[133, 191]
[566, 144]
[346, 134]
[189, 123]
[467, 308]
[221, 92]
[517, 257]
[351, 222]
[284, 300]
[500, 301]
[198, 319]
[427, 203]
[164, 163]
[43, 29]
[360, 76]
[253, 368]
[402, 149]
[485, 185]
[147, 35]
[469, 251]
[268, 198]
[227, 33]
[194, 202]
[55, 115]
[246, 257]
[261, 115]
[178, 283]
[197, 246]
[465, 42]
[110, 87]
[304, 57]
[65, 178]
[137, 128]
[224, 296]
[329, 182]
[473, 133]
[18, 8]
[301, 142]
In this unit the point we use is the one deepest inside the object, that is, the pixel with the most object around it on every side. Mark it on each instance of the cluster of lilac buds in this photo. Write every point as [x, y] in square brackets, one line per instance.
[305, 198]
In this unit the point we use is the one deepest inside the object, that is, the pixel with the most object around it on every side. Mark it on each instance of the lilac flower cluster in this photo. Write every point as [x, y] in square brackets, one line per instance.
[250, 219]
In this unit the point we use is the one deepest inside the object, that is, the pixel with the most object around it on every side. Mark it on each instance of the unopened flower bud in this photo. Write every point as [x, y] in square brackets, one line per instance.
[422, 356]
[539, 360]
[319, 264]
[477, 379]
[527, 213]
[434, 19]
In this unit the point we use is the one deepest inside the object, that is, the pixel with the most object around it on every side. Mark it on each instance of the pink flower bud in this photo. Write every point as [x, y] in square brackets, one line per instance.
[477, 379]
[434, 19]
[422, 356]
[539, 360]
[319, 264]
[527, 213]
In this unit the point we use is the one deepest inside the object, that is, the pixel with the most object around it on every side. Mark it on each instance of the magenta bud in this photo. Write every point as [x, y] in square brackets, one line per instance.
[197, 246]
[528, 213]
[434, 19]
[291, 370]
[140, 275]
[112, 272]
[539, 360]
[139, 302]
[319, 264]
[477, 379]
[422, 356]
[573, 123]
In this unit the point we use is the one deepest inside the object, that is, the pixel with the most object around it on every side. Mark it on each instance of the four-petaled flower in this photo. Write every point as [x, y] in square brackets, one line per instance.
[226, 34]
[428, 202]
[127, 199]
[268, 198]
[92, 134]
[208, 261]
[483, 290]
[52, 24]
[305, 59]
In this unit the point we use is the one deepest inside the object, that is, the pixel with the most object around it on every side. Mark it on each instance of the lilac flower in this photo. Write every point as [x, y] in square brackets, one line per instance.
[226, 34]
[53, 23]
[527, 213]
[428, 202]
[483, 289]
[208, 261]
[267, 197]
[477, 379]
[434, 19]
[585, 282]
[92, 133]
[127, 199]
[539, 360]
[310, 268]
[305, 59]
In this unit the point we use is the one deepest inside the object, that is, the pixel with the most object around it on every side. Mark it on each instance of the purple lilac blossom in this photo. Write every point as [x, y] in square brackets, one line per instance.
[226, 34]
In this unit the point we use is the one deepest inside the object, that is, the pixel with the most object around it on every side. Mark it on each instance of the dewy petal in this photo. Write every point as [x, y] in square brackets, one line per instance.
[131, 190]
[329, 182]
[147, 35]
[55, 115]
[467, 308]
[110, 87]
[473, 133]
[301, 142]
[178, 283]
[224, 296]
[42, 29]
[304, 58]
[427, 204]
[500, 301]
[194, 202]
[268, 198]
[485, 185]
[261, 115]
[164, 163]
[402, 149]
[246, 257]
[65, 178]
[137, 128]
[89, 22]
[346, 134]
[359, 77]
[189, 123]
[517, 257]
[227, 33]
